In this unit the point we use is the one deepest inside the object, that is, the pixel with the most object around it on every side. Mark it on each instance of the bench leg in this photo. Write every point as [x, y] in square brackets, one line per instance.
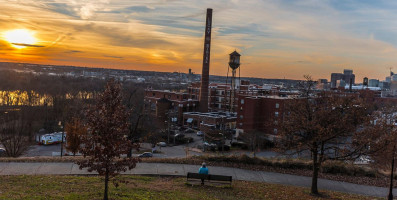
[202, 181]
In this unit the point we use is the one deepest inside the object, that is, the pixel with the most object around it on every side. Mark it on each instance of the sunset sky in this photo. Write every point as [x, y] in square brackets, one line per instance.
[277, 38]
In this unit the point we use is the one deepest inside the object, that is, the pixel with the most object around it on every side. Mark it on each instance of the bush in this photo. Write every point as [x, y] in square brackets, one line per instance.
[225, 147]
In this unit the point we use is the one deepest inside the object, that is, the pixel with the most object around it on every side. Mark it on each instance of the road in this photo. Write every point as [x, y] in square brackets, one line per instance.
[12, 168]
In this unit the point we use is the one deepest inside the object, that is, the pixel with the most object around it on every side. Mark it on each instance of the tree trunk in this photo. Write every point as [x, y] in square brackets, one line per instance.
[314, 189]
[390, 196]
[105, 196]
[132, 132]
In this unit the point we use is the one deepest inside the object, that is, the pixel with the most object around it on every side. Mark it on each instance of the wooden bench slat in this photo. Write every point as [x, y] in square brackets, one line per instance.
[220, 178]
[197, 175]
[210, 177]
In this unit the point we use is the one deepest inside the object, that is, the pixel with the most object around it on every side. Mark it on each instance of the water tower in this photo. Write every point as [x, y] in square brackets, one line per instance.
[234, 64]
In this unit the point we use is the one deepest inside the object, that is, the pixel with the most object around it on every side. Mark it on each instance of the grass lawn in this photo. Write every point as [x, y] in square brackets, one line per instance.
[145, 187]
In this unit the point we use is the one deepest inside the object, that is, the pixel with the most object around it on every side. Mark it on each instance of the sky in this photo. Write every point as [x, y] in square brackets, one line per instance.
[276, 38]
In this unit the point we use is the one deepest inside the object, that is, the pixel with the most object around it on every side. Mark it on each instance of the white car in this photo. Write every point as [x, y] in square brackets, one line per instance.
[200, 133]
[162, 144]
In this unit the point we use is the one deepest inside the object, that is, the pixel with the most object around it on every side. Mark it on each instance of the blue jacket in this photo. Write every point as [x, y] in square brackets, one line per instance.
[203, 170]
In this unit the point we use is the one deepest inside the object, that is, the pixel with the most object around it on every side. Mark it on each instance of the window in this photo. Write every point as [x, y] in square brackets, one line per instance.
[242, 101]
[276, 114]
[277, 105]
[154, 94]
[275, 131]
[241, 116]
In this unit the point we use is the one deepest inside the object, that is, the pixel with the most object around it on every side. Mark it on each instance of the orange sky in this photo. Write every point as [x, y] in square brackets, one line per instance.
[277, 39]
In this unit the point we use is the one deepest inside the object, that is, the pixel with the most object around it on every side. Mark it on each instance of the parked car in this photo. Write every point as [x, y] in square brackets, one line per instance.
[240, 144]
[162, 144]
[179, 135]
[145, 155]
[189, 130]
[210, 146]
[200, 133]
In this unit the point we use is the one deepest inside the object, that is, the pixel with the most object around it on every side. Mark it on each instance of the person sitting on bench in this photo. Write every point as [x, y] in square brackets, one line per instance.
[203, 170]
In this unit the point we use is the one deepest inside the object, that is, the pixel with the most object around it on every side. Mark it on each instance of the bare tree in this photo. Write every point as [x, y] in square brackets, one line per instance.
[322, 124]
[14, 135]
[107, 140]
[254, 139]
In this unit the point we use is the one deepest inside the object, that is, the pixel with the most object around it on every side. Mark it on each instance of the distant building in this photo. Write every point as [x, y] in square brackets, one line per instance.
[365, 81]
[384, 85]
[322, 81]
[373, 83]
[322, 84]
[348, 77]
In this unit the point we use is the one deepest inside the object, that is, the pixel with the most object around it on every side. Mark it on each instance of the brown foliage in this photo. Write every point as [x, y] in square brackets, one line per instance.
[106, 140]
[322, 124]
[75, 130]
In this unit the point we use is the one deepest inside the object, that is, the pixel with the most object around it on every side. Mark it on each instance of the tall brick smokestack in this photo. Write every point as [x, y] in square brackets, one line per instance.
[206, 64]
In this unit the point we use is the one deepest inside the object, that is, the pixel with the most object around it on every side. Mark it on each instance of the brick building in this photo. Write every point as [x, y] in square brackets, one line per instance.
[178, 103]
[261, 113]
[220, 94]
[211, 122]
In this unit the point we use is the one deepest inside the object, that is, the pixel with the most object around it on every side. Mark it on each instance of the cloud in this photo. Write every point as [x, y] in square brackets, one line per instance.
[274, 36]
[27, 45]
[117, 57]
[130, 9]
[73, 51]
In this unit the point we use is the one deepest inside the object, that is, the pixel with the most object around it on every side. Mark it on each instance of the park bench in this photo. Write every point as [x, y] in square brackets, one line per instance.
[212, 178]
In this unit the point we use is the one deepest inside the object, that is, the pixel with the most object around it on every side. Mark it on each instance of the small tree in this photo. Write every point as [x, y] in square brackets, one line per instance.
[106, 140]
[14, 138]
[15, 133]
[75, 130]
[322, 124]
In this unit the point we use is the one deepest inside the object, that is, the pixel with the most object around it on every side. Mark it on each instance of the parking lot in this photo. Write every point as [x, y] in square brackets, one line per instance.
[177, 151]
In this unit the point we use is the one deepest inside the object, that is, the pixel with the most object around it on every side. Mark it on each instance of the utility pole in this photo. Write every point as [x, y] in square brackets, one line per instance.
[63, 131]
[168, 131]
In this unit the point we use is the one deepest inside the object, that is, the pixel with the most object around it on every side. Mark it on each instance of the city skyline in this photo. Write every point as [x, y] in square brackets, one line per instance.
[277, 39]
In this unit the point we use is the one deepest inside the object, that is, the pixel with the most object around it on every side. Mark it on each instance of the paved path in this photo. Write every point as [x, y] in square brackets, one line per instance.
[14, 168]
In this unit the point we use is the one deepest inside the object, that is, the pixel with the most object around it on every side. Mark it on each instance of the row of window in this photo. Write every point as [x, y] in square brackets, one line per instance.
[277, 104]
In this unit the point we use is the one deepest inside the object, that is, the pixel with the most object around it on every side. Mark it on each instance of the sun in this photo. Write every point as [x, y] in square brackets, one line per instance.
[20, 38]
